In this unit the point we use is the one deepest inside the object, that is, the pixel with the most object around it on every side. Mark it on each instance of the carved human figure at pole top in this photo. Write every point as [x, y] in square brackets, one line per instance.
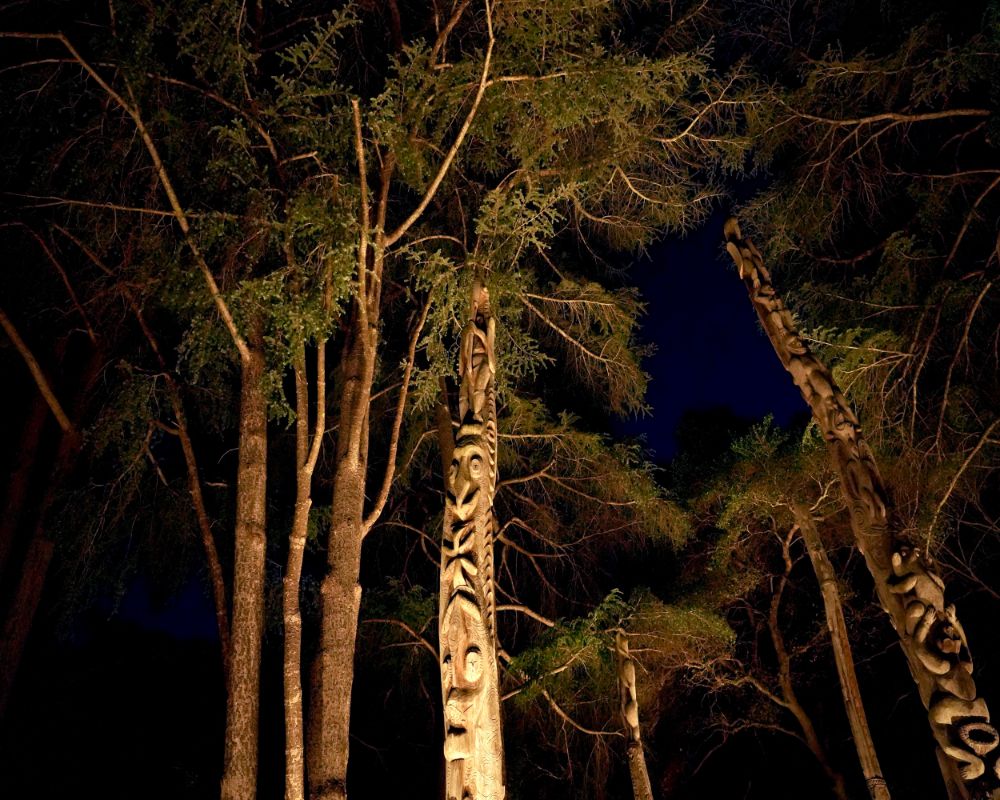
[932, 636]
[473, 747]
[477, 367]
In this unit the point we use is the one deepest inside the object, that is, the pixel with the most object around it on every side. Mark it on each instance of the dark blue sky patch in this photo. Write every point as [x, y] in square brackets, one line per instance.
[710, 350]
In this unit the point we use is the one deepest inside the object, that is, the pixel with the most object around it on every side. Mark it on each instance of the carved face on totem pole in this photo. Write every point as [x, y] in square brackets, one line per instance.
[467, 666]
[464, 650]
[471, 705]
[472, 748]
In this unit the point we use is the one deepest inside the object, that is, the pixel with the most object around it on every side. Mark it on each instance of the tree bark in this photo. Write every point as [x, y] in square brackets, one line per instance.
[842, 656]
[473, 735]
[239, 778]
[215, 575]
[306, 453]
[641, 788]
[908, 589]
[789, 697]
[340, 589]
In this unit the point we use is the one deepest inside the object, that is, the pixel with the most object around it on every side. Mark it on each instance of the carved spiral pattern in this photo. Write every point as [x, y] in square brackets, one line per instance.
[912, 594]
[627, 688]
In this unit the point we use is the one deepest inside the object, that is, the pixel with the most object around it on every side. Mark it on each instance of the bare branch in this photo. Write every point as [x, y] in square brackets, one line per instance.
[36, 372]
[390, 466]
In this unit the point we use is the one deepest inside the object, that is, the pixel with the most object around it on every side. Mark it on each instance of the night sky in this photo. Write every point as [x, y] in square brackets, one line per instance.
[710, 350]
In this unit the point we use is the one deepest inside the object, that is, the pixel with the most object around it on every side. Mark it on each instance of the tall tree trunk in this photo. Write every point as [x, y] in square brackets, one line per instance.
[340, 590]
[837, 626]
[641, 788]
[306, 453]
[908, 589]
[473, 740]
[239, 778]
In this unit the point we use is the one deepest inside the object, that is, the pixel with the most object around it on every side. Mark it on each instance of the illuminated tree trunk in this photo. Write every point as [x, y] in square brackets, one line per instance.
[330, 722]
[239, 778]
[787, 697]
[641, 788]
[837, 626]
[306, 453]
[908, 589]
[473, 744]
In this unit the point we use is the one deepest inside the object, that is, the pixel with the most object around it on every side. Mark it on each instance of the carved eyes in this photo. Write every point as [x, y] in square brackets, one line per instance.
[473, 664]
[472, 668]
[475, 467]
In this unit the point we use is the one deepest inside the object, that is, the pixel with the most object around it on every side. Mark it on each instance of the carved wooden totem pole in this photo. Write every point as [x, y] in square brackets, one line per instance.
[908, 588]
[473, 746]
[641, 788]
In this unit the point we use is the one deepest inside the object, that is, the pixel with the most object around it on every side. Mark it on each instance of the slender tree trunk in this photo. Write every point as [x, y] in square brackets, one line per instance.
[473, 740]
[908, 589]
[306, 454]
[641, 788]
[333, 672]
[239, 778]
[837, 626]
[340, 590]
[789, 697]
[215, 576]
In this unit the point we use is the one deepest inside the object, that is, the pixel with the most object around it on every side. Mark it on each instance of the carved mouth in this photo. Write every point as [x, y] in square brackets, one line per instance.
[456, 743]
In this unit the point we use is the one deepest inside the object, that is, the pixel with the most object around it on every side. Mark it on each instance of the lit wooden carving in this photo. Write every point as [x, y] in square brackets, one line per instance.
[473, 747]
[908, 588]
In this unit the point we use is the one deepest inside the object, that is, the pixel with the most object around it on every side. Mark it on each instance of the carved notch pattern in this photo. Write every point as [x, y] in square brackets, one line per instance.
[467, 627]
[910, 591]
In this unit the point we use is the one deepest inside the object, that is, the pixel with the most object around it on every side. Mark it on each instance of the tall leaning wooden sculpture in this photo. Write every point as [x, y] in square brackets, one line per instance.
[641, 787]
[908, 589]
[473, 746]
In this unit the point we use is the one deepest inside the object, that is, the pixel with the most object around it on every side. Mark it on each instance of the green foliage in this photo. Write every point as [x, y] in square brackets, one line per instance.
[762, 442]
[574, 653]
[413, 605]
[592, 136]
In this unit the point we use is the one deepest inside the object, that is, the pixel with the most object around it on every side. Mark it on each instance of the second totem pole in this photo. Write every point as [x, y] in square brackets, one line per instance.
[908, 587]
